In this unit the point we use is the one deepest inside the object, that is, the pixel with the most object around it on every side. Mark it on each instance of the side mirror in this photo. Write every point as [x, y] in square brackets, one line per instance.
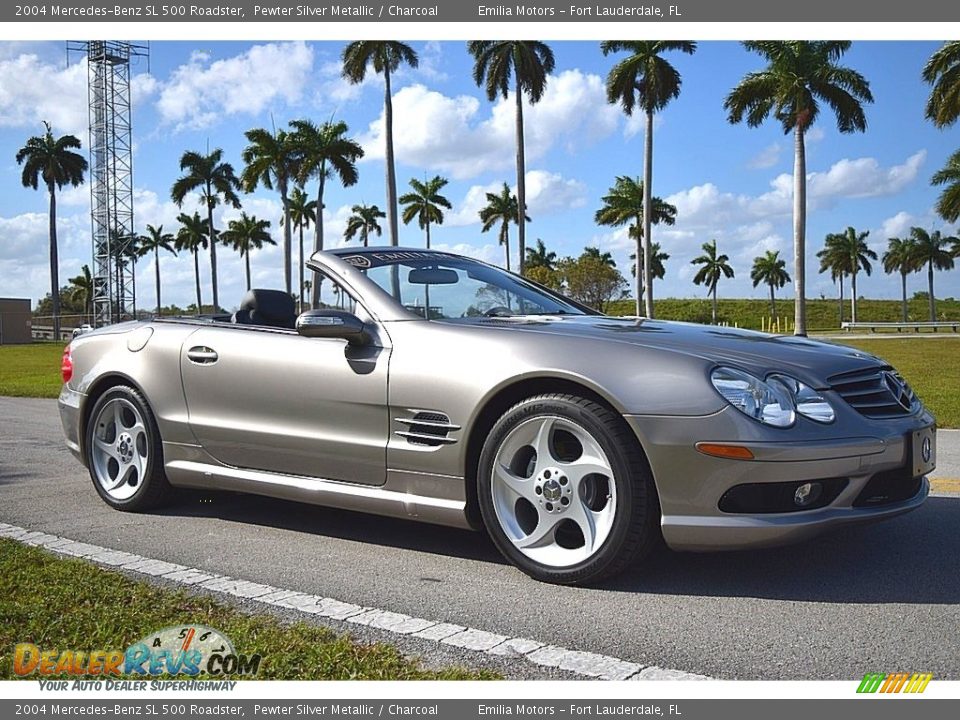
[333, 324]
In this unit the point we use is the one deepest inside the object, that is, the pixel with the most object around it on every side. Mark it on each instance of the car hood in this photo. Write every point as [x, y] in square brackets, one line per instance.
[808, 360]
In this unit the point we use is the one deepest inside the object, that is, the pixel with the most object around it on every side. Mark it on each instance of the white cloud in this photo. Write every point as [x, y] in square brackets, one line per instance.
[452, 135]
[33, 90]
[546, 193]
[766, 158]
[199, 92]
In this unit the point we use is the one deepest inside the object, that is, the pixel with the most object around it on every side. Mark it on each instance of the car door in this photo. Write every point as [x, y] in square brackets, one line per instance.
[269, 399]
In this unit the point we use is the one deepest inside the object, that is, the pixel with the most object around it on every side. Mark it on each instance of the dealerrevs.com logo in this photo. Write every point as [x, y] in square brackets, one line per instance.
[178, 650]
[902, 682]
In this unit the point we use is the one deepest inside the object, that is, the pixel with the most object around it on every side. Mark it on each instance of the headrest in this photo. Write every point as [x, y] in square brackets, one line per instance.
[269, 307]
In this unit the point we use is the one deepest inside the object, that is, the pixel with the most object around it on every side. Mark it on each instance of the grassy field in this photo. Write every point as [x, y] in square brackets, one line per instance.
[929, 364]
[70, 604]
[30, 370]
[822, 315]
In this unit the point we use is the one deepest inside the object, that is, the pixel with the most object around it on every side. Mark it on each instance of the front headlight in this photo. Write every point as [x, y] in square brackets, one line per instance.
[809, 402]
[769, 403]
[775, 401]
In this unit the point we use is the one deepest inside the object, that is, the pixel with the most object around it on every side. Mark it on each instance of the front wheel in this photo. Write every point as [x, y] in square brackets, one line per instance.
[565, 491]
[124, 451]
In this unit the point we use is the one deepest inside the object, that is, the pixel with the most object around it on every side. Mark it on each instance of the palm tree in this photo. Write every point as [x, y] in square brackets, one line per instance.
[948, 204]
[385, 56]
[604, 257]
[657, 258]
[303, 211]
[425, 203]
[836, 259]
[771, 270]
[363, 221]
[943, 72]
[52, 160]
[193, 236]
[326, 152]
[800, 74]
[644, 79]
[540, 257]
[81, 291]
[272, 159]
[714, 267]
[504, 209]
[216, 181]
[154, 241]
[525, 64]
[246, 234]
[854, 246]
[932, 251]
[901, 257]
[622, 205]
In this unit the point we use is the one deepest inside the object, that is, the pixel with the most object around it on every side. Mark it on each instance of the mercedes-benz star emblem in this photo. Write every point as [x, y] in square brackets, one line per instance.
[898, 388]
[551, 490]
[926, 449]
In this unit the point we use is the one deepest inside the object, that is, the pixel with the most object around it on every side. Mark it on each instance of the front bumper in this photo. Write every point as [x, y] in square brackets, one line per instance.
[690, 483]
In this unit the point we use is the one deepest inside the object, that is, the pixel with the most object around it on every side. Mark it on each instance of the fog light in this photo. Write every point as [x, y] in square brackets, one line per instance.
[807, 494]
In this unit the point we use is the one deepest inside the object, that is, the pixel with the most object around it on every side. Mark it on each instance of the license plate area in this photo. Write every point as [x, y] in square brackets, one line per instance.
[923, 456]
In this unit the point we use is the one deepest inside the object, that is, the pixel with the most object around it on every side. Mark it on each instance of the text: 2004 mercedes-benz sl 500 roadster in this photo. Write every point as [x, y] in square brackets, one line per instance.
[431, 386]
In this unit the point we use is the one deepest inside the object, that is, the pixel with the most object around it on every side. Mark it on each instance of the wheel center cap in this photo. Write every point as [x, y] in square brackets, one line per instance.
[551, 490]
[125, 447]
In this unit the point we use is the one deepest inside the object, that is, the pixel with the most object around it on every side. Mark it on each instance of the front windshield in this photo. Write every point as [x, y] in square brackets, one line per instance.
[454, 287]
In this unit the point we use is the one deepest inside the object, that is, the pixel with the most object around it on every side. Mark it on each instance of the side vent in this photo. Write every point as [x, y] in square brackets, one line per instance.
[426, 427]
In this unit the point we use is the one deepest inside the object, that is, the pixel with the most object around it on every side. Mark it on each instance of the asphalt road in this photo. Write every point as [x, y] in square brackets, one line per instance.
[879, 598]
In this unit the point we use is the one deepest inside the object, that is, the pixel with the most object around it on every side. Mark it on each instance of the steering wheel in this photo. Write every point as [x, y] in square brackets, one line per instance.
[498, 311]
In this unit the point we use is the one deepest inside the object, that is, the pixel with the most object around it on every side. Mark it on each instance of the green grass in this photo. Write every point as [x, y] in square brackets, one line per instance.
[71, 604]
[929, 365]
[31, 370]
[821, 314]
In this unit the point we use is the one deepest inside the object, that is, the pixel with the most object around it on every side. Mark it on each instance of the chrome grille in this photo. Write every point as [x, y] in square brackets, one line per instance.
[877, 392]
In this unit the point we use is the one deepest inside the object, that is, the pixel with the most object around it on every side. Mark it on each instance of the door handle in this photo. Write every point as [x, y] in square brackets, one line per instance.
[202, 355]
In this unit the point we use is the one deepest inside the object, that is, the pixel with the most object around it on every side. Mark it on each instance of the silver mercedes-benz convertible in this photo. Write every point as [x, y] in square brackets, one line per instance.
[431, 386]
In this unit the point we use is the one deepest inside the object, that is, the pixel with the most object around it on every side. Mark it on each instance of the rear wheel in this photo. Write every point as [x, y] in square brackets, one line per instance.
[124, 452]
[565, 491]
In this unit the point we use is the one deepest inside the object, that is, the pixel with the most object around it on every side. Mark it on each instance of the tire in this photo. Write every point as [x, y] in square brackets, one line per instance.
[124, 451]
[582, 512]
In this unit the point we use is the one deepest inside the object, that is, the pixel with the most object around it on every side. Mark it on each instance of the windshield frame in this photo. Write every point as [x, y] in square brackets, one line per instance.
[360, 259]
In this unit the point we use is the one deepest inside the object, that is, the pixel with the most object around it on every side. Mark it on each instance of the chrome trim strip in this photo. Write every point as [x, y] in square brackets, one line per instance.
[426, 439]
[428, 423]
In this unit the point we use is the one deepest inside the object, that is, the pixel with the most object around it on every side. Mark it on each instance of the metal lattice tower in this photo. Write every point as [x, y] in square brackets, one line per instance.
[111, 175]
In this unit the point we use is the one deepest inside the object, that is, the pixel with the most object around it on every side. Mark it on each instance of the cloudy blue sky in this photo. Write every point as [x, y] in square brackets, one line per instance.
[728, 182]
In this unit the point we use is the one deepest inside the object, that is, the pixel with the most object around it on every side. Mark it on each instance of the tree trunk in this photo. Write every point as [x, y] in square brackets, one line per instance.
[853, 295]
[427, 228]
[933, 302]
[213, 254]
[506, 243]
[773, 303]
[287, 239]
[246, 260]
[903, 286]
[156, 266]
[521, 176]
[799, 233]
[713, 296]
[133, 275]
[391, 171]
[318, 237]
[54, 264]
[647, 182]
[300, 292]
[426, 288]
[196, 274]
[638, 269]
[840, 298]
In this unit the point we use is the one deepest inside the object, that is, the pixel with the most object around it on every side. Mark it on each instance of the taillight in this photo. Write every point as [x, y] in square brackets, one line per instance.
[66, 365]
